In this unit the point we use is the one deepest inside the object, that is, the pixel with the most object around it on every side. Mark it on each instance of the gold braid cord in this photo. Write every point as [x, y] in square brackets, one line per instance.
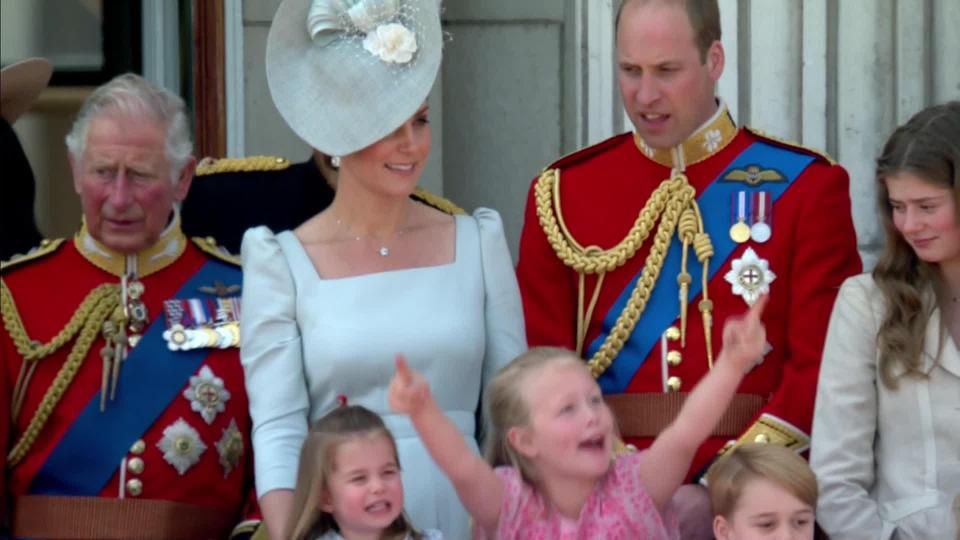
[85, 324]
[672, 198]
[209, 165]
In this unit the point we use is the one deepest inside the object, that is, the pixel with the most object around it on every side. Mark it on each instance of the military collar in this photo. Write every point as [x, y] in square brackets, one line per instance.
[164, 252]
[714, 135]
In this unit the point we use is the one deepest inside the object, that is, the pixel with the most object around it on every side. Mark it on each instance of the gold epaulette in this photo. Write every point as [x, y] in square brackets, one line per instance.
[790, 144]
[45, 248]
[209, 165]
[588, 152]
[249, 529]
[770, 429]
[210, 246]
[440, 203]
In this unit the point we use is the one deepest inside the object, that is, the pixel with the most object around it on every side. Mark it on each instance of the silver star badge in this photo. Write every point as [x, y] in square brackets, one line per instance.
[750, 276]
[207, 394]
[181, 446]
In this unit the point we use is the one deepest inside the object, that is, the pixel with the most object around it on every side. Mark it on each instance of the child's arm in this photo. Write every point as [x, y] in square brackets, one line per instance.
[479, 487]
[664, 467]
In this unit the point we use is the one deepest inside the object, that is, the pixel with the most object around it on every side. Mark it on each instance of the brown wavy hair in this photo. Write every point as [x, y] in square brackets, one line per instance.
[927, 146]
[346, 423]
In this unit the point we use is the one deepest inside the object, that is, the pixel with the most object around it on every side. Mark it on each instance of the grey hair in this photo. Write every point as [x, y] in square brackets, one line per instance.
[131, 94]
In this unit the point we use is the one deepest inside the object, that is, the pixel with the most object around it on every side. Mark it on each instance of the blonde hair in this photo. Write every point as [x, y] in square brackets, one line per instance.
[508, 408]
[317, 463]
[752, 461]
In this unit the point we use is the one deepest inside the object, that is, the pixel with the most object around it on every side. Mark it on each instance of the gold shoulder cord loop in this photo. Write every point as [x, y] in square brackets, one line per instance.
[703, 247]
[84, 324]
[670, 203]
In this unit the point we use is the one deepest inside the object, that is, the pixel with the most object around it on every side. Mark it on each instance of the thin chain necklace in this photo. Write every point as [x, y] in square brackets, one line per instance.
[383, 250]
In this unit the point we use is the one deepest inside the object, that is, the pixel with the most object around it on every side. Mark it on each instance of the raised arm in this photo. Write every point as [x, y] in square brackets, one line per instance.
[664, 467]
[478, 486]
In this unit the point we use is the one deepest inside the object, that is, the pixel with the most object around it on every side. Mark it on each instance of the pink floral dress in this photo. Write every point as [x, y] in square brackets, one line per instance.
[618, 509]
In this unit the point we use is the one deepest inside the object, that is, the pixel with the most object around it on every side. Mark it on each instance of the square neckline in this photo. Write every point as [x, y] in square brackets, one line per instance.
[302, 251]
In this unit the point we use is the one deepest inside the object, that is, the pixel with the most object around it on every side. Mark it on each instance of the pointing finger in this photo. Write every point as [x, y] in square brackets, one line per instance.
[403, 370]
[756, 310]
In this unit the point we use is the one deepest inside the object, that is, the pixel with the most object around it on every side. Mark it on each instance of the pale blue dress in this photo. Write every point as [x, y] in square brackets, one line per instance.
[305, 340]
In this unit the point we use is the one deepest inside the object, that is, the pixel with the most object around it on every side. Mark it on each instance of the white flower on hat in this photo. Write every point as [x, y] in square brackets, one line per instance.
[392, 42]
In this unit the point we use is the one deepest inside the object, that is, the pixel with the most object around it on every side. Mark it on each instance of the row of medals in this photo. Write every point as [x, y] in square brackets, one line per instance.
[759, 231]
[222, 333]
[222, 336]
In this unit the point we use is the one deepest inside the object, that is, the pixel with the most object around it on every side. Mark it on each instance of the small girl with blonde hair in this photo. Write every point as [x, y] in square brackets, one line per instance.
[348, 483]
[763, 491]
[552, 471]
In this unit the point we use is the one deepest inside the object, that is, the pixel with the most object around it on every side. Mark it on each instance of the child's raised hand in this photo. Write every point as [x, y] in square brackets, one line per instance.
[744, 337]
[409, 391]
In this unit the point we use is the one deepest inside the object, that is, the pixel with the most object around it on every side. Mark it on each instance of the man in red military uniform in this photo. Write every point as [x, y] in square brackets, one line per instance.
[636, 249]
[119, 350]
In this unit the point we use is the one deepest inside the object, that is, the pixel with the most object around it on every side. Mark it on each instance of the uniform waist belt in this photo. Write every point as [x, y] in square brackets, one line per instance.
[646, 415]
[40, 516]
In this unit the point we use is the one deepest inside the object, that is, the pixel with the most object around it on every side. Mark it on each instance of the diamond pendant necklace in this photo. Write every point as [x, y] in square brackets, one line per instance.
[383, 250]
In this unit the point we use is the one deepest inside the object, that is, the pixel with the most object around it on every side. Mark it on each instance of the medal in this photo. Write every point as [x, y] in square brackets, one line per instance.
[750, 276]
[760, 231]
[202, 323]
[740, 231]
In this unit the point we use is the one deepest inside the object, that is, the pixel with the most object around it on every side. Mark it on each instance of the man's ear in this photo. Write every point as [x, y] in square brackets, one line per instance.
[521, 439]
[715, 60]
[181, 186]
[75, 172]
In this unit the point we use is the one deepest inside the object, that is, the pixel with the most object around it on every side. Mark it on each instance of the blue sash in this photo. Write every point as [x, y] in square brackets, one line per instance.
[662, 307]
[151, 377]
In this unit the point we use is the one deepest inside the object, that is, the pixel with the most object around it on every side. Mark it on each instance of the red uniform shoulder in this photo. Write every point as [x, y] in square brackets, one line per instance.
[790, 145]
[589, 152]
[47, 247]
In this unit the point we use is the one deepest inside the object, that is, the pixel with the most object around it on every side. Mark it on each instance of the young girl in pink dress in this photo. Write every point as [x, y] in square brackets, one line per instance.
[551, 471]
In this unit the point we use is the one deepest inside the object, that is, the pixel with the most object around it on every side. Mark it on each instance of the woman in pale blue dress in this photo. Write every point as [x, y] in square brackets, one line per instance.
[326, 307]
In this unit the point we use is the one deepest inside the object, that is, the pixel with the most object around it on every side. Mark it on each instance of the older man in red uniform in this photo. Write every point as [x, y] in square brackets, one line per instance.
[636, 249]
[119, 350]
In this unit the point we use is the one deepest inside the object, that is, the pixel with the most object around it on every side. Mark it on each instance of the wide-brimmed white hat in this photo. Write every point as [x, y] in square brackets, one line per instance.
[346, 73]
[20, 84]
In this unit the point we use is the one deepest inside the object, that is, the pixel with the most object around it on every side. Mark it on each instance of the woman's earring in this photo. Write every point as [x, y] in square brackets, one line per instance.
[335, 162]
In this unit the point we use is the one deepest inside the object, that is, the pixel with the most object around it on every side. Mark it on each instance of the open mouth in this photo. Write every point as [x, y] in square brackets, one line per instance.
[593, 444]
[379, 507]
[404, 168]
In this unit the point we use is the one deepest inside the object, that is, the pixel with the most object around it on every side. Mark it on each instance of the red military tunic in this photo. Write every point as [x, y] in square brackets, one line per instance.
[812, 249]
[205, 463]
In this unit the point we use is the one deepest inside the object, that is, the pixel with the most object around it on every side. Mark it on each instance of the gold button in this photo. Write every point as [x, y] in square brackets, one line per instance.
[672, 333]
[134, 487]
[761, 438]
[674, 358]
[135, 465]
[674, 383]
[138, 447]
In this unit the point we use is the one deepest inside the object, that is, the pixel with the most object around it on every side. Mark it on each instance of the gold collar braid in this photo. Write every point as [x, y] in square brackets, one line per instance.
[85, 323]
[164, 252]
[713, 136]
[674, 204]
